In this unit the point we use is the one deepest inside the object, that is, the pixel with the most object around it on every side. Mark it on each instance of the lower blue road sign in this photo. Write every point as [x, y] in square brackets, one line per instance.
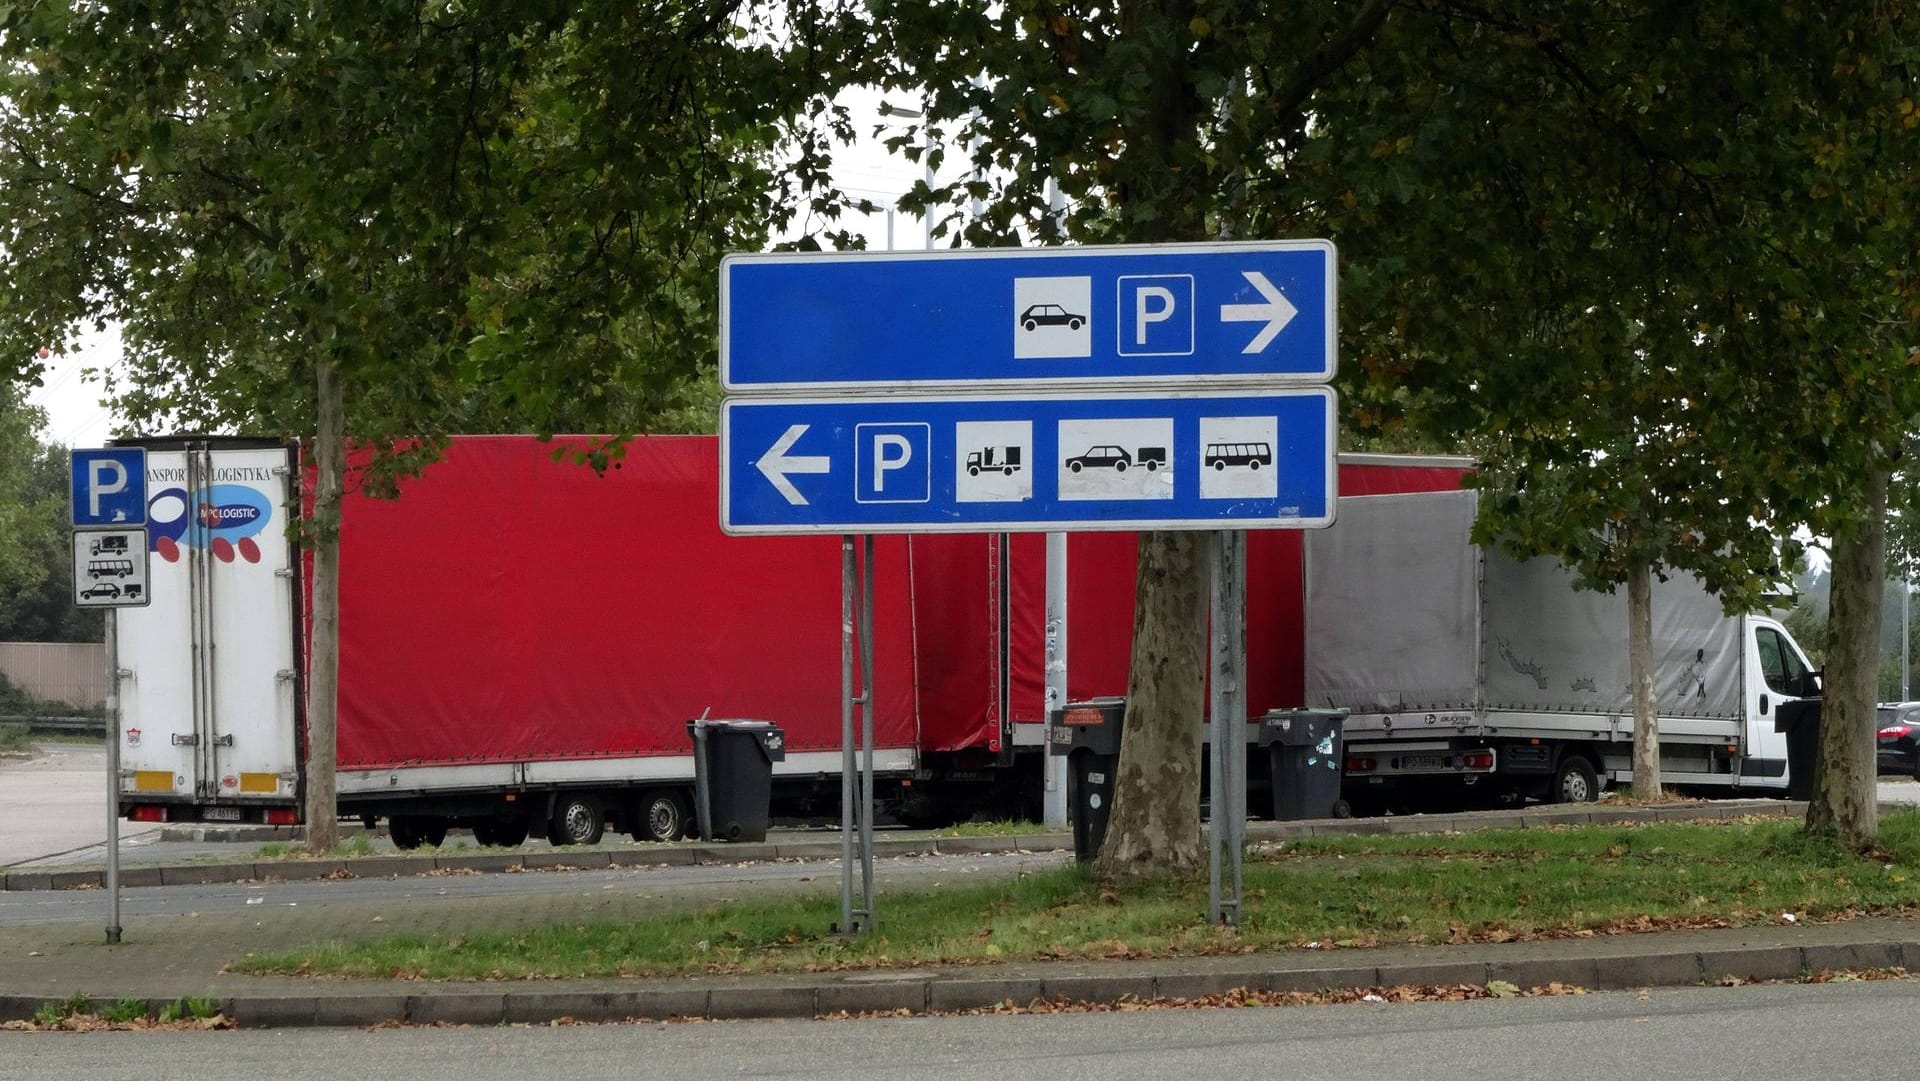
[978, 463]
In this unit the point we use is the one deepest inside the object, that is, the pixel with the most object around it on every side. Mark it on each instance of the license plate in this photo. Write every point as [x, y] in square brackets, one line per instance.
[1425, 762]
[222, 814]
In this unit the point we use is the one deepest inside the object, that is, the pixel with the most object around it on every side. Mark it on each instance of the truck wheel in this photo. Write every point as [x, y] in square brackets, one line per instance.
[501, 833]
[400, 829]
[661, 815]
[1575, 781]
[412, 831]
[576, 821]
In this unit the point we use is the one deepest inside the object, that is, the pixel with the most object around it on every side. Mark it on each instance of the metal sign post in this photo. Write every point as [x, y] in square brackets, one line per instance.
[1054, 808]
[1176, 386]
[856, 767]
[108, 510]
[1227, 809]
[113, 779]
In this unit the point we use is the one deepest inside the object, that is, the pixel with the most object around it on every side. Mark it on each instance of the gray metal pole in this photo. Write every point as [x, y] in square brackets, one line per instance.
[847, 780]
[866, 731]
[1054, 809]
[113, 777]
[1055, 806]
[1227, 804]
[1237, 711]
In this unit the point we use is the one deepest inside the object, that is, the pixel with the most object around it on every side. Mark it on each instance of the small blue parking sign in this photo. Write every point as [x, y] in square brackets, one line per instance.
[109, 486]
[892, 463]
[1155, 315]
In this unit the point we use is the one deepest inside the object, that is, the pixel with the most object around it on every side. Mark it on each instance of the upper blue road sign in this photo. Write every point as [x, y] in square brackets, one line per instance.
[978, 463]
[109, 486]
[1186, 315]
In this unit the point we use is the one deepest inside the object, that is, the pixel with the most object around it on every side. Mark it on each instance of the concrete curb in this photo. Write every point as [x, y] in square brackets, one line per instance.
[931, 992]
[681, 855]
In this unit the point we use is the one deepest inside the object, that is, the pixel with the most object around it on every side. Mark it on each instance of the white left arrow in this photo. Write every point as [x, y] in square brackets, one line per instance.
[776, 464]
[1277, 311]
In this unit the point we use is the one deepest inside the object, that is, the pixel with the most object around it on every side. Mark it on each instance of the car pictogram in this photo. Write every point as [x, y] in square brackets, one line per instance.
[1050, 315]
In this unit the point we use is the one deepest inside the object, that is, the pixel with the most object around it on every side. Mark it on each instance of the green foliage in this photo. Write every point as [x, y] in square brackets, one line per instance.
[124, 1011]
[52, 1013]
[1535, 209]
[198, 1009]
[36, 583]
[505, 217]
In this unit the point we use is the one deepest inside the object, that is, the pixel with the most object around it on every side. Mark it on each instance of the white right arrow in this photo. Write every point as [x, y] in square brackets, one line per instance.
[1276, 312]
[776, 464]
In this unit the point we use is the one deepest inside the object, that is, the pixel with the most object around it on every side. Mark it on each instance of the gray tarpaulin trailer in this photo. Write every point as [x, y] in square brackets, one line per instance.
[1463, 666]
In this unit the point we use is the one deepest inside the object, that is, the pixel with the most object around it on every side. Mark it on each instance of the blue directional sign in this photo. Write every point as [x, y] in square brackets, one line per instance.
[109, 486]
[1181, 315]
[972, 463]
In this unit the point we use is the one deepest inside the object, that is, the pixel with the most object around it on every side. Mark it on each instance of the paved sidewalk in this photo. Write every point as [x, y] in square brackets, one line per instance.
[1670, 958]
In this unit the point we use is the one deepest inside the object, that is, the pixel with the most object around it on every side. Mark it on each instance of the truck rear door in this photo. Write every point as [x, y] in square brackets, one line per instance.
[211, 705]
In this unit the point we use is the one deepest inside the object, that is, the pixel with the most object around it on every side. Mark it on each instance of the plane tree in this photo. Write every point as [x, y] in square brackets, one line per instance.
[1150, 119]
[1533, 206]
[1652, 265]
[377, 220]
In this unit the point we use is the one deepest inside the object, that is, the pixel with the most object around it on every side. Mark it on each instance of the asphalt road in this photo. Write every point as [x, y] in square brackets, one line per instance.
[56, 803]
[1835, 1032]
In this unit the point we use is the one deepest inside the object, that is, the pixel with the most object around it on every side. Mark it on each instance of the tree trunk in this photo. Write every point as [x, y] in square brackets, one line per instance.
[323, 662]
[1646, 723]
[1155, 826]
[1843, 801]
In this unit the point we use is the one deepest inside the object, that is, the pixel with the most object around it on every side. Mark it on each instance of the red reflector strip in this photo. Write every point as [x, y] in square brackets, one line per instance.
[147, 814]
[1083, 716]
[282, 816]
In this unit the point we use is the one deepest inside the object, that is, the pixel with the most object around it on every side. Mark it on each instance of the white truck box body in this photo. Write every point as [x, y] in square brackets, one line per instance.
[209, 700]
[1424, 635]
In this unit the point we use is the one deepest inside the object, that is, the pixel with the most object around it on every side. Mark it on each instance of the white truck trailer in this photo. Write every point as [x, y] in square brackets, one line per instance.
[1462, 666]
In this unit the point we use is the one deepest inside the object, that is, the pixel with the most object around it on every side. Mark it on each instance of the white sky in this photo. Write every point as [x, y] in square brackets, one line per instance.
[77, 416]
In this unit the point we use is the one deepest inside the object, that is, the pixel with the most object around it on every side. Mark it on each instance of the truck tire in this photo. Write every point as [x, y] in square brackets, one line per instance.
[1574, 781]
[577, 820]
[501, 833]
[661, 815]
[400, 829]
[412, 831]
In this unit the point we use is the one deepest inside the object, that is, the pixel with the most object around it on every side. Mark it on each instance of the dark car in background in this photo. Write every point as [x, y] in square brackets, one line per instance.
[1899, 724]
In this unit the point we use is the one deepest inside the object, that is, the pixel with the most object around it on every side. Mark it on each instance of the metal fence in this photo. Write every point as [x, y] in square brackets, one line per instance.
[73, 673]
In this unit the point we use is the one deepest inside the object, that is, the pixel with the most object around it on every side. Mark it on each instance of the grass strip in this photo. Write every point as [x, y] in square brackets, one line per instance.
[1497, 885]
